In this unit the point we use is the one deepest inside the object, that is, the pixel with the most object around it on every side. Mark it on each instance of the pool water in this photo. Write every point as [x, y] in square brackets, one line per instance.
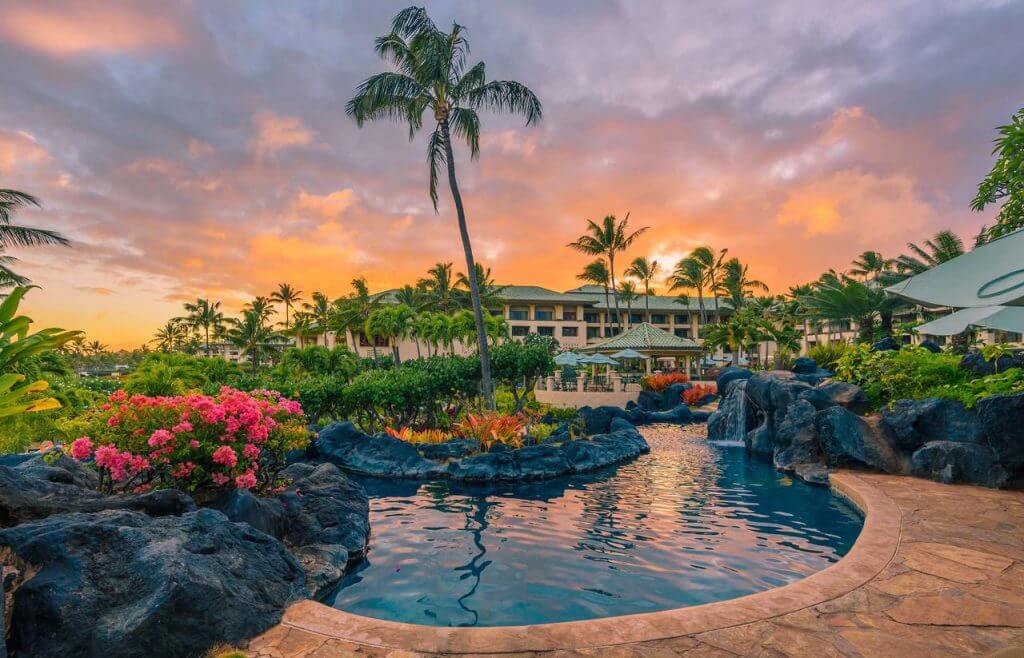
[690, 523]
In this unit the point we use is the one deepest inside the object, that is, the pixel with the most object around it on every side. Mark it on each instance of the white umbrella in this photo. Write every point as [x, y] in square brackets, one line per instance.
[629, 353]
[568, 359]
[990, 275]
[1003, 318]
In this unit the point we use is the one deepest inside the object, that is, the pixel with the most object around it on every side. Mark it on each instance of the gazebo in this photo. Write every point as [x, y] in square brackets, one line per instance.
[653, 342]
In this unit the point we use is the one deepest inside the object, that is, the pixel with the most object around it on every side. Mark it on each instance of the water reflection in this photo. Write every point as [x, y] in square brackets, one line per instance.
[687, 524]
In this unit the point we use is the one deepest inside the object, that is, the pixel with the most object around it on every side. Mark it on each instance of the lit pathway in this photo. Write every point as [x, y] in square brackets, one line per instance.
[955, 587]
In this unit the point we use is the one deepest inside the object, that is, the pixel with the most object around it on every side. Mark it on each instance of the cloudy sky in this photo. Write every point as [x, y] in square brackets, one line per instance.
[201, 148]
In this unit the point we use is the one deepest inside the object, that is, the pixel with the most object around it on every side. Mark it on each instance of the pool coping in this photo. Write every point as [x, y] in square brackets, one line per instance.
[874, 548]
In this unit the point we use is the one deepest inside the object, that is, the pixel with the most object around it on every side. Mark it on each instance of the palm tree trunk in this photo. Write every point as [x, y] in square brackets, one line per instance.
[866, 329]
[286, 324]
[207, 341]
[474, 284]
[886, 322]
[615, 292]
[647, 297]
[700, 303]
[607, 306]
[394, 351]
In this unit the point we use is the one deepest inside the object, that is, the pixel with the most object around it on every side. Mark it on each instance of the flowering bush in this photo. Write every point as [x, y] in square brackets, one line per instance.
[493, 427]
[663, 381]
[418, 436]
[692, 396]
[192, 442]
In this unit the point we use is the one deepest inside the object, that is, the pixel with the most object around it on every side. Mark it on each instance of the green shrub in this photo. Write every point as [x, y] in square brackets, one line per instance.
[1009, 382]
[558, 414]
[541, 431]
[909, 373]
[827, 355]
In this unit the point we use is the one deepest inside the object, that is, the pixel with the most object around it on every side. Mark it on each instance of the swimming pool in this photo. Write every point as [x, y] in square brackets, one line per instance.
[687, 524]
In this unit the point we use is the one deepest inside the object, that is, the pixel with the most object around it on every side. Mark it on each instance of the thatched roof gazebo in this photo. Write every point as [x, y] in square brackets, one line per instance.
[654, 342]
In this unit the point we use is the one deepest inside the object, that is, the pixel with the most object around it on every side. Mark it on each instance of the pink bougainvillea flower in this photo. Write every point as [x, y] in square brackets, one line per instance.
[81, 448]
[250, 451]
[220, 479]
[225, 456]
[246, 480]
[160, 437]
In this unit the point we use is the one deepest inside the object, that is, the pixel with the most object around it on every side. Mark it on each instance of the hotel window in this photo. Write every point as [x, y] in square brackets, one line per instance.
[546, 331]
[570, 331]
[683, 333]
[518, 313]
[593, 332]
[569, 315]
[590, 318]
[519, 330]
[659, 318]
[544, 314]
[608, 332]
[636, 318]
[681, 319]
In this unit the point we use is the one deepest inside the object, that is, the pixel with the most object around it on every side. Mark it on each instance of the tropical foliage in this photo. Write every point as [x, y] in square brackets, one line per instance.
[1004, 184]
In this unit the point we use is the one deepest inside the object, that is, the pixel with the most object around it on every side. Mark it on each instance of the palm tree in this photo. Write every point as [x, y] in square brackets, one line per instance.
[251, 335]
[350, 313]
[303, 327]
[204, 314]
[392, 323]
[628, 294]
[95, 347]
[736, 332]
[840, 298]
[263, 307]
[170, 336]
[689, 274]
[943, 246]
[797, 294]
[490, 292]
[319, 311]
[607, 239]
[412, 296]
[14, 235]
[289, 296]
[597, 273]
[432, 77]
[870, 265]
[645, 270]
[713, 267]
[439, 287]
[736, 285]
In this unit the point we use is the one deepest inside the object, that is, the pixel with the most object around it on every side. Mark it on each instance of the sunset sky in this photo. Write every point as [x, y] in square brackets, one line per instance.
[201, 148]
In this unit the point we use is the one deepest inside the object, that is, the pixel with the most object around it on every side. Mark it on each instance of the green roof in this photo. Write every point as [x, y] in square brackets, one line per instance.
[645, 338]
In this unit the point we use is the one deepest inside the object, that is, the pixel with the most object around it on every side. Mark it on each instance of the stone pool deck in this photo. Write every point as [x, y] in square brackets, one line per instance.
[938, 571]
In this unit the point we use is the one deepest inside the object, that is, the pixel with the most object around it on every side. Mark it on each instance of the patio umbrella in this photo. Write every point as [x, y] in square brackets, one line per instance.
[568, 359]
[990, 275]
[1003, 318]
[628, 353]
[599, 360]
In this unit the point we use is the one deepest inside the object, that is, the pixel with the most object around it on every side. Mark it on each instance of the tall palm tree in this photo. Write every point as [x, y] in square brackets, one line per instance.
[95, 347]
[713, 266]
[943, 246]
[204, 314]
[170, 336]
[303, 327]
[319, 310]
[251, 335]
[392, 323]
[607, 239]
[350, 313]
[689, 274]
[796, 295]
[14, 235]
[597, 274]
[289, 296]
[412, 296]
[628, 294]
[736, 285]
[262, 307]
[490, 292]
[870, 265]
[432, 77]
[644, 270]
[840, 298]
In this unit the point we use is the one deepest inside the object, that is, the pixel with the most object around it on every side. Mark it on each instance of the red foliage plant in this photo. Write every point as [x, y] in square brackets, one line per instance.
[663, 381]
[692, 396]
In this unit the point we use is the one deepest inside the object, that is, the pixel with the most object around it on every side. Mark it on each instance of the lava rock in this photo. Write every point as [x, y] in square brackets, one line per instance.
[672, 396]
[812, 473]
[453, 449]
[699, 416]
[379, 455]
[124, 584]
[976, 363]
[840, 394]
[796, 439]
[620, 424]
[680, 415]
[913, 423]
[598, 420]
[496, 465]
[242, 506]
[63, 470]
[1002, 421]
[804, 365]
[847, 439]
[26, 498]
[957, 462]
[760, 439]
[649, 400]
[887, 344]
[731, 374]
[931, 346]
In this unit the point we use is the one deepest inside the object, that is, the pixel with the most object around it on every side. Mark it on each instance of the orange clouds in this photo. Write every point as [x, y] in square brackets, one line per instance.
[274, 133]
[81, 27]
[18, 149]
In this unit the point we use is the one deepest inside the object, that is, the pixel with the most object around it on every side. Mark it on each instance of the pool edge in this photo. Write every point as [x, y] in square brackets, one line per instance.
[874, 548]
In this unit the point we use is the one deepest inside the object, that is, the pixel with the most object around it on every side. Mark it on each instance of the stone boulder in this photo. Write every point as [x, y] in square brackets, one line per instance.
[838, 394]
[931, 346]
[620, 424]
[63, 470]
[597, 420]
[849, 440]
[957, 462]
[805, 365]
[976, 363]
[1002, 422]
[887, 344]
[912, 423]
[379, 455]
[452, 449]
[728, 375]
[796, 439]
[124, 584]
[680, 415]
[26, 498]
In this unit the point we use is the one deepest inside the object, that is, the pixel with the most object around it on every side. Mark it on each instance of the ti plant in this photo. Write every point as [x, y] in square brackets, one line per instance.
[994, 352]
[17, 346]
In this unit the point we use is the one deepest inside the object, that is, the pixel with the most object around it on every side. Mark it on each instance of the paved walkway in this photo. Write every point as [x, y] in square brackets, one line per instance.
[954, 587]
